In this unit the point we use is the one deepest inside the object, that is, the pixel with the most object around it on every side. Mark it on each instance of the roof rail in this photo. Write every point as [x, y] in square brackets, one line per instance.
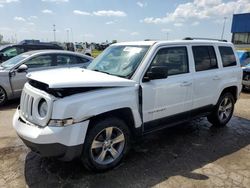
[191, 38]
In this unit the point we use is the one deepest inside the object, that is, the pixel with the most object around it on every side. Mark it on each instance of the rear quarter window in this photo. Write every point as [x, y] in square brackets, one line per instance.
[227, 56]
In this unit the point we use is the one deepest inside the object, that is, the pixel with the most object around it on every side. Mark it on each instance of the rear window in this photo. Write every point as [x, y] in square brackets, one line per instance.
[204, 58]
[227, 56]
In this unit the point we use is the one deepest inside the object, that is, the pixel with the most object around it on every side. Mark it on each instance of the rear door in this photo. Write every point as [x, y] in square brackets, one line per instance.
[168, 100]
[206, 77]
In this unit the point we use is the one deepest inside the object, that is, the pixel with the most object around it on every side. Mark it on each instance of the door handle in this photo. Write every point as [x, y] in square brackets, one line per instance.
[186, 83]
[216, 78]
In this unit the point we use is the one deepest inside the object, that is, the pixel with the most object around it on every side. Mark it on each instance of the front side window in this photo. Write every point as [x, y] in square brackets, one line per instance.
[204, 58]
[174, 58]
[227, 56]
[39, 62]
[119, 60]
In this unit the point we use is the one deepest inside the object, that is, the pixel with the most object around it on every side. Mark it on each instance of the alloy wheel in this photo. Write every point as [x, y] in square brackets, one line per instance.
[225, 109]
[2, 95]
[108, 145]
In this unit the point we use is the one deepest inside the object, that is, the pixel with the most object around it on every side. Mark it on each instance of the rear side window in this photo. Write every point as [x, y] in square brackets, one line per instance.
[66, 60]
[227, 56]
[83, 60]
[204, 58]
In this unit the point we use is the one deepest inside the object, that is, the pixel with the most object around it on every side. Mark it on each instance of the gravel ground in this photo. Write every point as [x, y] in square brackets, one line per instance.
[191, 155]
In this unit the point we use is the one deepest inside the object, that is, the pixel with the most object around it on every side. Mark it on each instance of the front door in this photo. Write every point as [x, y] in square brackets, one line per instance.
[163, 100]
[37, 63]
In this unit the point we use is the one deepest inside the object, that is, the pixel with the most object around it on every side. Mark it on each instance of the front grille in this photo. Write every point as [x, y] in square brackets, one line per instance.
[29, 105]
[26, 106]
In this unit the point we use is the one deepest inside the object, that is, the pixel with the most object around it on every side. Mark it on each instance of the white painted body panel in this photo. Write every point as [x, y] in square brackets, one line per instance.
[166, 97]
[81, 106]
[78, 77]
[69, 136]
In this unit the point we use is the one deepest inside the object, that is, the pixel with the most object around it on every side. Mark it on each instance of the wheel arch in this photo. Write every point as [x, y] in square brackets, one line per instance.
[233, 90]
[124, 114]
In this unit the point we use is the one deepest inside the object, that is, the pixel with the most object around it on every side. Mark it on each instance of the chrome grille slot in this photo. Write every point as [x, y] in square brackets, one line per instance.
[26, 105]
[30, 107]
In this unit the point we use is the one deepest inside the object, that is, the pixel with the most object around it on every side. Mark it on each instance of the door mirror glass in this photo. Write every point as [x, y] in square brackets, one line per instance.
[157, 72]
[22, 68]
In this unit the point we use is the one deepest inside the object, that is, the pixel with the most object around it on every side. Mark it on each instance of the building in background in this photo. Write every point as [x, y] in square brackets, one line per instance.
[241, 30]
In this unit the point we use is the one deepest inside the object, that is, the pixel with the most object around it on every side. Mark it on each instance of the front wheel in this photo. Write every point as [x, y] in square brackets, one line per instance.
[223, 110]
[106, 144]
[3, 96]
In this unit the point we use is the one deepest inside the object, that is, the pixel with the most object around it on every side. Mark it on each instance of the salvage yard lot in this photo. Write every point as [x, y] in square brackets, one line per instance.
[193, 155]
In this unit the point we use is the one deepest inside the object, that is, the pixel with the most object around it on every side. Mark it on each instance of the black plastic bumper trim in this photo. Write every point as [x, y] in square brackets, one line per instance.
[62, 152]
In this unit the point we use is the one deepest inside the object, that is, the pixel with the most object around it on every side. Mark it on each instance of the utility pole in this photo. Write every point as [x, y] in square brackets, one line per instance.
[54, 30]
[72, 37]
[223, 28]
[167, 35]
[67, 30]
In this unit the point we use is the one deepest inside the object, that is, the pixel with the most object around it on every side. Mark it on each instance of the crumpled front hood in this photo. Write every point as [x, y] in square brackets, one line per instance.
[78, 77]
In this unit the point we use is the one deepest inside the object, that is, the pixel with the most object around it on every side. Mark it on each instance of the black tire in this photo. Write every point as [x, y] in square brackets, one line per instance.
[97, 131]
[244, 88]
[220, 116]
[3, 96]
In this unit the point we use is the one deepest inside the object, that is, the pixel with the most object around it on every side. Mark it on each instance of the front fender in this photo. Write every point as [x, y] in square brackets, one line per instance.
[86, 105]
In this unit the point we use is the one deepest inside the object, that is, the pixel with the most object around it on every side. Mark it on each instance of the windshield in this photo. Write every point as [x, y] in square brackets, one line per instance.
[13, 61]
[119, 60]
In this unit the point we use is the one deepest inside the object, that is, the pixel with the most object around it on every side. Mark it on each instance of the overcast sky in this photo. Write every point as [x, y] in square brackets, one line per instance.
[123, 20]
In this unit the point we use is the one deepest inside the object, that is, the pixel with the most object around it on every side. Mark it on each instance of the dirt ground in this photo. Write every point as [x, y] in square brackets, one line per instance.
[191, 155]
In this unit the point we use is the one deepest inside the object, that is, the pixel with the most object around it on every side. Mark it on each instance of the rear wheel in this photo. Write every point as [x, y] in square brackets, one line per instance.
[3, 96]
[106, 144]
[223, 110]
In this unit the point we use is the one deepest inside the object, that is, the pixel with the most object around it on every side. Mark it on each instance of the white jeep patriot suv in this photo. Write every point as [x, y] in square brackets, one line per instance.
[130, 89]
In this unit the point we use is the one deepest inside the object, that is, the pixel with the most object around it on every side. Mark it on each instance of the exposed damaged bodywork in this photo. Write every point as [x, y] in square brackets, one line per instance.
[61, 92]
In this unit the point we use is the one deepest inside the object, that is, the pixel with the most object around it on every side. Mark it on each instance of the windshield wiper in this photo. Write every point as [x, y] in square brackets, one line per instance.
[109, 73]
[101, 71]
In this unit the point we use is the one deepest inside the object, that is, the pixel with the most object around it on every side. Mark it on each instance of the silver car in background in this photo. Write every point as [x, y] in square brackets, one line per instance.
[13, 72]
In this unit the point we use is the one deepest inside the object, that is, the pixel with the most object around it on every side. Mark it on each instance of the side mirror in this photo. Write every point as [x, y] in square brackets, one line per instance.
[22, 68]
[156, 72]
